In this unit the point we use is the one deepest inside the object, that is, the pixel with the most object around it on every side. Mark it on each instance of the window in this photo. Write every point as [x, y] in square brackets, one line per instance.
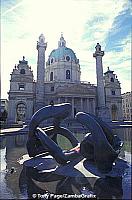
[22, 71]
[112, 79]
[67, 58]
[52, 60]
[52, 89]
[113, 92]
[51, 76]
[67, 74]
[21, 87]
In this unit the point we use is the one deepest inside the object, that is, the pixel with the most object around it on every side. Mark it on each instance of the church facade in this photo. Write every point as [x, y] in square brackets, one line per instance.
[58, 81]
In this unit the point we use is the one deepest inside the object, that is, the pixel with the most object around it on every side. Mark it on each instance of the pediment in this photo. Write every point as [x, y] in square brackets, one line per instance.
[75, 89]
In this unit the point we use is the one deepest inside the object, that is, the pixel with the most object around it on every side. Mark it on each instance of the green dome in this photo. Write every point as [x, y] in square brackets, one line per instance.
[62, 53]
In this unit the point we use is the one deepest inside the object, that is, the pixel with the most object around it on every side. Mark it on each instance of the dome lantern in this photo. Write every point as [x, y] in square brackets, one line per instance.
[62, 42]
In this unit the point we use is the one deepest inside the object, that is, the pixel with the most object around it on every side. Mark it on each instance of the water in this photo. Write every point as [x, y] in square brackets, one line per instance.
[15, 184]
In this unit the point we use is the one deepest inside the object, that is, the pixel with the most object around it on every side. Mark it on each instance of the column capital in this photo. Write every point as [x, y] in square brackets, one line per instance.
[41, 42]
[101, 53]
[42, 45]
[98, 51]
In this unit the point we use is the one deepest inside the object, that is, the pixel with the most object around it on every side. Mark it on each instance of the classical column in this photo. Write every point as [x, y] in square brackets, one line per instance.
[66, 100]
[88, 105]
[72, 106]
[81, 104]
[59, 100]
[94, 106]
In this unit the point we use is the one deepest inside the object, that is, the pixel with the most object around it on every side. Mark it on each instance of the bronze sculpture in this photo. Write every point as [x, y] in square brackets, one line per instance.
[101, 146]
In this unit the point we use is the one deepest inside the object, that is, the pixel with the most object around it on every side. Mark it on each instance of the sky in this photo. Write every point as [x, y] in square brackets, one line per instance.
[83, 24]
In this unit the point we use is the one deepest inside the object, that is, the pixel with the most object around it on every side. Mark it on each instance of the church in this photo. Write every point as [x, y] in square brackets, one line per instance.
[58, 81]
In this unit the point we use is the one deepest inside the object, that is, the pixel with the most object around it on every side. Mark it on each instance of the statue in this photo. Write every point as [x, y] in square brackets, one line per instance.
[21, 110]
[100, 147]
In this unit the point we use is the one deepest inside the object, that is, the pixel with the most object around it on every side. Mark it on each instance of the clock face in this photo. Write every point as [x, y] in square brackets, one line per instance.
[67, 58]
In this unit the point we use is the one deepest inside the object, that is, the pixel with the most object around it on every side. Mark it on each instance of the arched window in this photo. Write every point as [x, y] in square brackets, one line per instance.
[22, 71]
[51, 76]
[52, 60]
[112, 79]
[67, 74]
[113, 92]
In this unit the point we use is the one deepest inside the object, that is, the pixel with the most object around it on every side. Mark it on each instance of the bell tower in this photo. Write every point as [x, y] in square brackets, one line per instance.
[41, 47]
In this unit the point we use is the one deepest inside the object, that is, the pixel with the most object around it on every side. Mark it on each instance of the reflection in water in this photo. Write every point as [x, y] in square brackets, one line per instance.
[2, 160]
[18, 185]
[13, 152]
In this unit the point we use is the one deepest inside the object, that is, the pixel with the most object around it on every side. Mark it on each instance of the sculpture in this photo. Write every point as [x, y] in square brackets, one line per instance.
[100, 147]
[103, 188]
[21, 110]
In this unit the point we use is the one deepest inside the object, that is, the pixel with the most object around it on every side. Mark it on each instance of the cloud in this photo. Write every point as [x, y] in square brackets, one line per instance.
[120, 29]
[84, 23]
[120, 62]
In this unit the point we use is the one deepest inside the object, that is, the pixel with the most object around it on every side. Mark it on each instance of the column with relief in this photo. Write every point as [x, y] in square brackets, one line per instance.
[102, 110]
[41, 47]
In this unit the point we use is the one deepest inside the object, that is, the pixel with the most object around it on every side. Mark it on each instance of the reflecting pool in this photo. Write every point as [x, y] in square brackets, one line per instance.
[15, 184]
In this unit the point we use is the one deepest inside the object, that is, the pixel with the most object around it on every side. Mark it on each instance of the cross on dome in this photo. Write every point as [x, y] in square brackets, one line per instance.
[61, 35]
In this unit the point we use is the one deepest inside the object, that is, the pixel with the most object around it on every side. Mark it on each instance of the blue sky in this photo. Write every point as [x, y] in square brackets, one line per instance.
[83, 23]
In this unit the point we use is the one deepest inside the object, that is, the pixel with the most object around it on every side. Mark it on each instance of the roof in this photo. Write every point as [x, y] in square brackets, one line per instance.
[62, 52]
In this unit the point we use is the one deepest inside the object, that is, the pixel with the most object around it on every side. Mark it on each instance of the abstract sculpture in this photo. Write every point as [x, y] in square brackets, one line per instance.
[100, 146]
